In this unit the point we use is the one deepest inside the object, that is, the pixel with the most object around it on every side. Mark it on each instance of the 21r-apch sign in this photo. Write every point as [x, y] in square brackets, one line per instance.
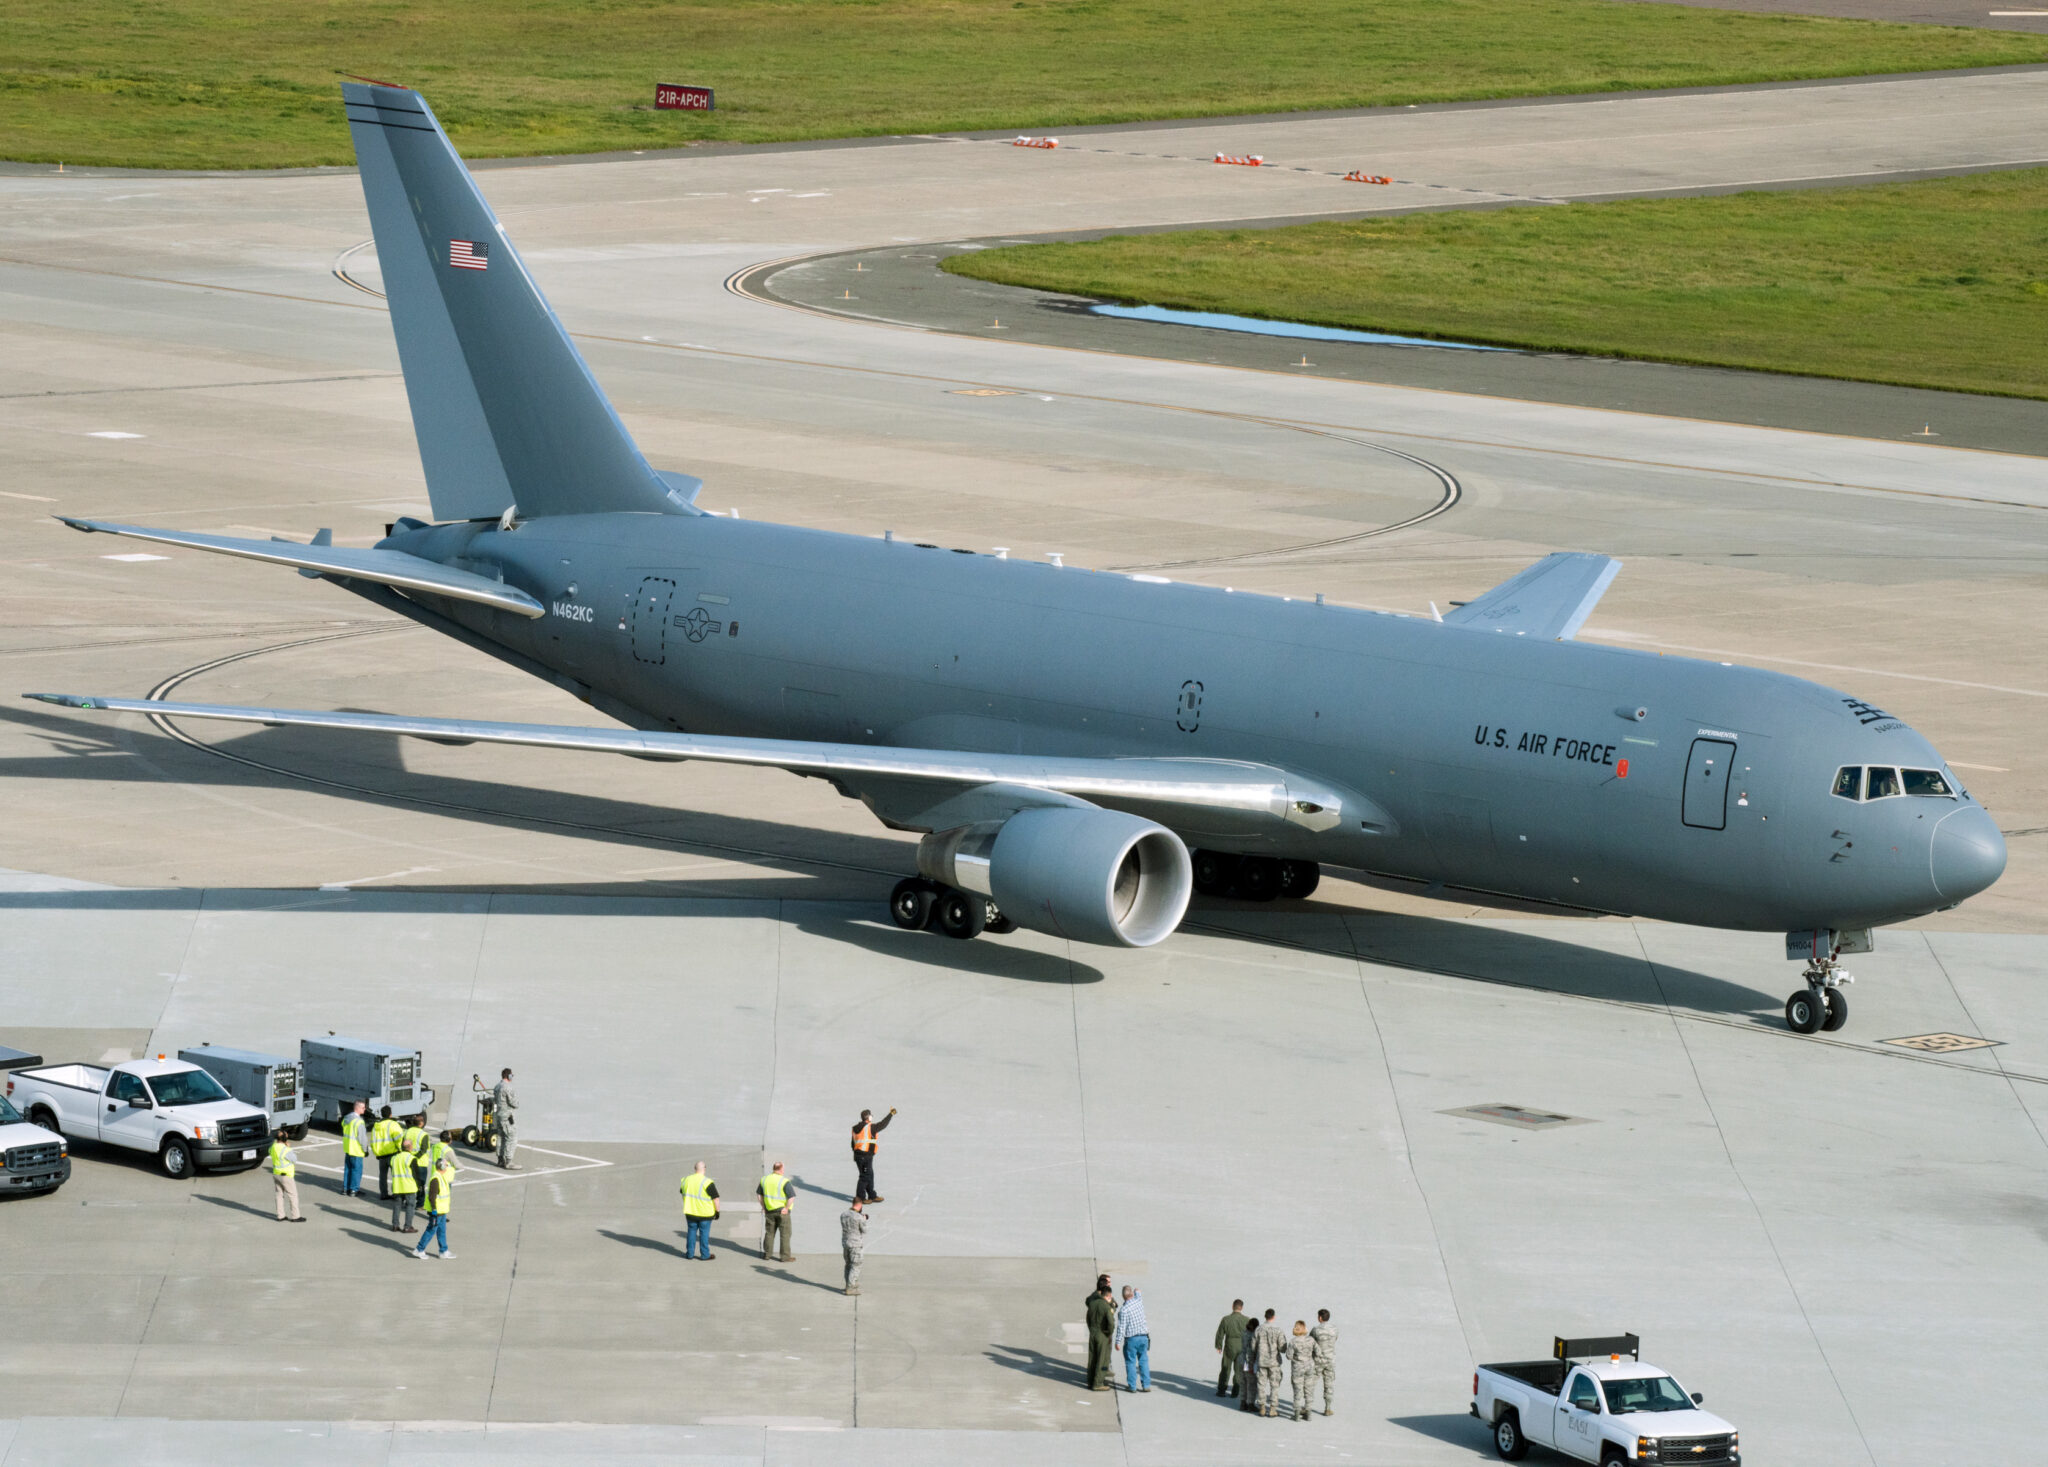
[673, 96]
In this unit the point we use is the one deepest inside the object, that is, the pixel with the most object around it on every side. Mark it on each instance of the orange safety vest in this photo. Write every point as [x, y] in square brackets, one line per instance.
[864, 1138]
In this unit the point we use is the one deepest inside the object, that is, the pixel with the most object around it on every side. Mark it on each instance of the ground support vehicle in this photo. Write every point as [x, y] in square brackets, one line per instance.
[483, 1131]
[1595, 1401]
[339, 1072]
[33, 1159]
[270, 1082]
[170, 1108]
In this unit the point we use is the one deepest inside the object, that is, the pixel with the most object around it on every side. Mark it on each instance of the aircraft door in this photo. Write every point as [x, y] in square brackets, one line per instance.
[1705, 806]
[649, 619]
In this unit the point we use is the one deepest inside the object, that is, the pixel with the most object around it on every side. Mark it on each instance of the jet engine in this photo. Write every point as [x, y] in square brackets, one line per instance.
[1089, 875]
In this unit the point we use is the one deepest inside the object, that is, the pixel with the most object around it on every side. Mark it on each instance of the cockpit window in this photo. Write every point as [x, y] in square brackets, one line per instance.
[1849, 782]
[1884, 783]
[1927, 782]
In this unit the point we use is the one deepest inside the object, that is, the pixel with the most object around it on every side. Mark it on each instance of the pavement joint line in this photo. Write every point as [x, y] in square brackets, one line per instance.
[1692, 1016]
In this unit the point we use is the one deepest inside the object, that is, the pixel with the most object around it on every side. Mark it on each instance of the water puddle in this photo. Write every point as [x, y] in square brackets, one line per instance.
[1217, 321]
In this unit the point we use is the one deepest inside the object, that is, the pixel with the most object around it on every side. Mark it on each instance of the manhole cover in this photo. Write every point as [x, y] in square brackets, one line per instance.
[1520, 1116]
[1943, 1043]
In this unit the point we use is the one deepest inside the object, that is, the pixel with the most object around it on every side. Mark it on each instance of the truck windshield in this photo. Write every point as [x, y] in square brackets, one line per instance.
[192, 1087]
[1645, 1393]
[9, 1116]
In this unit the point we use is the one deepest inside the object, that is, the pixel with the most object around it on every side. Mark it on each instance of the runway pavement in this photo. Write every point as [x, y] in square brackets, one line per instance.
[685, 957]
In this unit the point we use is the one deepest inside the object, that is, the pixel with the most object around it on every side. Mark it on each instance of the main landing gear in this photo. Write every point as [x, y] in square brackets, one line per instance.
[918, 903]
[1821, 1004]
[1254, 878]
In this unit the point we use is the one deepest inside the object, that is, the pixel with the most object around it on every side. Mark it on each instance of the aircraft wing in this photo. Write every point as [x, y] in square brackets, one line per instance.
[1552, 598]
[388, 567]
[910, 788]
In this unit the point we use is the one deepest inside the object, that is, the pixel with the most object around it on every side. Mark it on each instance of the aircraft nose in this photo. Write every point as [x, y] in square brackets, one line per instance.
[1968, 853]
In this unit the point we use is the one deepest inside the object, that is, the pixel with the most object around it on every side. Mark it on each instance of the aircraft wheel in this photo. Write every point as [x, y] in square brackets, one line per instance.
[1508, 1442]
[1258, 879]
[910, 905]
[962, 914]
[1215, 871]
[1299, 879]
[997, 922]
[1806, 1011]
[1838, 1010]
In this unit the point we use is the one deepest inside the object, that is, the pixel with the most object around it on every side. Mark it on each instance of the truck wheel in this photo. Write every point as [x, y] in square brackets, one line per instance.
[298, 1132]
[1508, 1442]
[40, 1116]
[471, 1135]
[177, 1159]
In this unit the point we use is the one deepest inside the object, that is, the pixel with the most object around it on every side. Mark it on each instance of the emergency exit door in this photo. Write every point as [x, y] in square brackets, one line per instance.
[649, 618]
[1705, 805]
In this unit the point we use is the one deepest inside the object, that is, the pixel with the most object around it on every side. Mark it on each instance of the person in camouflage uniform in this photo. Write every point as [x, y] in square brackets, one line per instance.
[1272, 1345]
[1325, 1336]
[1301, 1366]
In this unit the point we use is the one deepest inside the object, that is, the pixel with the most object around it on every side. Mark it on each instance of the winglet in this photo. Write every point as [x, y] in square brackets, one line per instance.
[1551, 599]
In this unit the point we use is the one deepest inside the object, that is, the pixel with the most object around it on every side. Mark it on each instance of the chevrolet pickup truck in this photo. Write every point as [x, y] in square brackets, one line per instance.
[33, 1160]
[167, 1107]
[1590, 1403]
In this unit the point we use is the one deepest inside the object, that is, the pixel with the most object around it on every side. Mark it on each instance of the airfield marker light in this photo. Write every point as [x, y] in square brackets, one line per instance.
[1057, 557]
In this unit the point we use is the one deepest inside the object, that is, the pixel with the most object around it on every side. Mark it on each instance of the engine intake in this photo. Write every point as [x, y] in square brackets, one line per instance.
[1088, 875]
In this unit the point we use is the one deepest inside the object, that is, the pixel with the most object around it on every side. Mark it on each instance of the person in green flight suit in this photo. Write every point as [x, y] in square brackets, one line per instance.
[1101, 1326]
[1230, 1344]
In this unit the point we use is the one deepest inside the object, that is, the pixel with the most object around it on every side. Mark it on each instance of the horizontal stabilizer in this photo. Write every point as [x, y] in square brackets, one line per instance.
[1552, 598]
[1250, 796]
[387, 567]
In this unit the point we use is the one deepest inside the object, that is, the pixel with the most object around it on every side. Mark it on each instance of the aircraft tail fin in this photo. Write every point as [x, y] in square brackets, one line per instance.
[506, 412]
[1552, 598]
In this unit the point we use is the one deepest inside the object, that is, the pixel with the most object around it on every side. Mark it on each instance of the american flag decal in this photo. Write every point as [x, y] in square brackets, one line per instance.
[469, 254]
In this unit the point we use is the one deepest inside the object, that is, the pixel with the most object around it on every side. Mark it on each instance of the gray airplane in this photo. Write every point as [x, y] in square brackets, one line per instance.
[1084, 750]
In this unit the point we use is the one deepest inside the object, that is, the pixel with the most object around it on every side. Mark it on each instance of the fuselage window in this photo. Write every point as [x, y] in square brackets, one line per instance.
[1884, 783]
[1849, 783]
[1927, 782]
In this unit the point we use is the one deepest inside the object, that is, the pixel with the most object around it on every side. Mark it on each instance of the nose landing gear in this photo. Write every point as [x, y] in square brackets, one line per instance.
[1821, 1005]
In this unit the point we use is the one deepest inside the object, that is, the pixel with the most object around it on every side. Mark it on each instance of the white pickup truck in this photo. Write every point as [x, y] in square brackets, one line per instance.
[32, 1159]
[1590, 1403]
[175, 1110]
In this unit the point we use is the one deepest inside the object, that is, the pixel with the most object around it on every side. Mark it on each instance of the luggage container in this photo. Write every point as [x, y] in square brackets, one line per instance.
[339, 1072]
[270, 1082]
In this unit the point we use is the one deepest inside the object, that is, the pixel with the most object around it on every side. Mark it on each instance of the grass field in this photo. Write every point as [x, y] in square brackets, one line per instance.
[1935, 284]
[252, 83]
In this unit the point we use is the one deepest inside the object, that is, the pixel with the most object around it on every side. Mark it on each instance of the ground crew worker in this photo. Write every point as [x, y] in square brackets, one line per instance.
[405, 1189]
[413, 1139]
[1325, 1335]
[1301, 1367]
[430, 1156]
[1272, 1344]
[440, 1188]
[853, 1242]
[1101, 1330]
[355, 1145]
[1230, 1344]
[774, 1191]
[700, 1206]
[864, 1132]
[505, 1113]
[384, 1138]
[284, 1167]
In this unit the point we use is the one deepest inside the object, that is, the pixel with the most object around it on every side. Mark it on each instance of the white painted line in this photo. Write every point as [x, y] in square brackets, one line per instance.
[584, 1164]
[112, 434]
[1987, 768]
[135, 555]
[364, 880]
[2016, 12]
[38, 498]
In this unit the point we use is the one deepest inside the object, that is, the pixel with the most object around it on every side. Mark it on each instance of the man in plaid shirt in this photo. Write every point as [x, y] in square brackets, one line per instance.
[1134, 1337]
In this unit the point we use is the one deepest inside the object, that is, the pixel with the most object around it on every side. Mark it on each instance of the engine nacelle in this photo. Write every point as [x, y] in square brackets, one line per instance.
[1087, 875]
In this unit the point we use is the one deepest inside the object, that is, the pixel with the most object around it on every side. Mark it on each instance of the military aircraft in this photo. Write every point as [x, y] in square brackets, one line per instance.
[1082, 750]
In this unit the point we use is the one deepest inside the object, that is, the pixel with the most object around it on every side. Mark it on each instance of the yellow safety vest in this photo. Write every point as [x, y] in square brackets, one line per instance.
[414, 1139]
[384, 1137]
[352, 1136]
[280, 1160]
[403, 1178]
[697, 1196]
[445, 1175]
[773, 1193]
